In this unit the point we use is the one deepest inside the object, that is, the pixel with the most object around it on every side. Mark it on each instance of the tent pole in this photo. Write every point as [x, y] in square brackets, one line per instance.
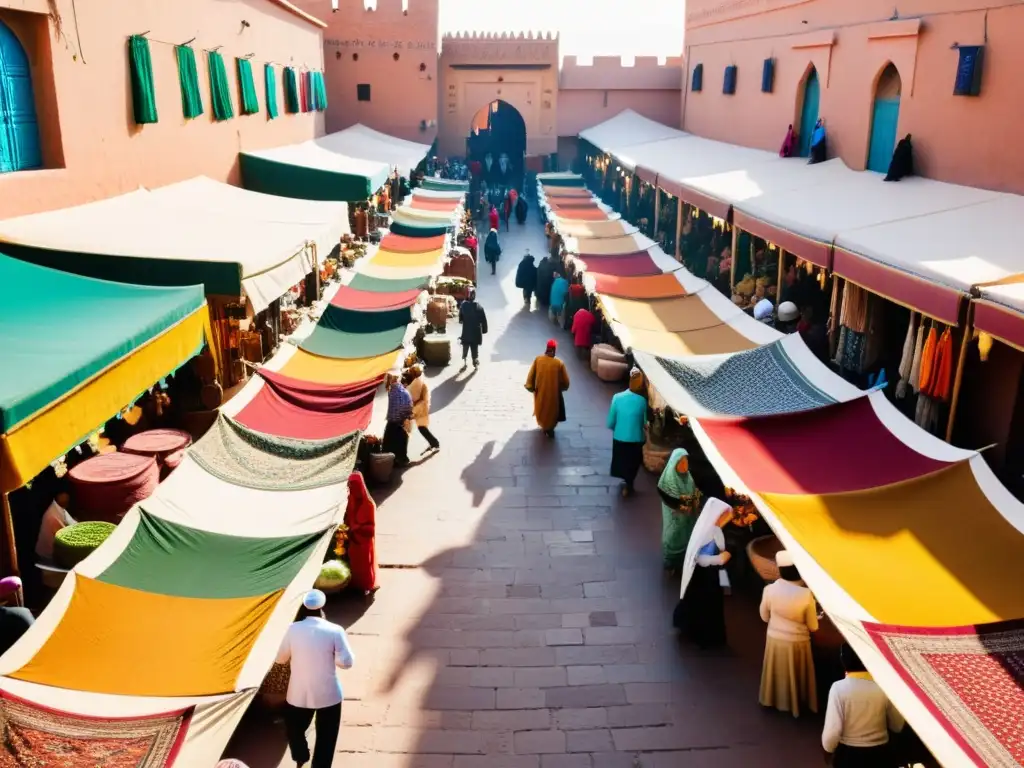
[679, 228]
[958, 379]
[778, 280]
[11, 550]
[732, 260]
[316, 269]
[657, 210]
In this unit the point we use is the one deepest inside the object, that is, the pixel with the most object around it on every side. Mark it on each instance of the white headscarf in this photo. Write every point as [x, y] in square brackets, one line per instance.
[703, 533]
[763, 310]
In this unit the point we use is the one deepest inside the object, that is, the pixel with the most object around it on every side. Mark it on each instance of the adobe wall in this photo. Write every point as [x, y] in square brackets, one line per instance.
[967, 140]
[92, 148]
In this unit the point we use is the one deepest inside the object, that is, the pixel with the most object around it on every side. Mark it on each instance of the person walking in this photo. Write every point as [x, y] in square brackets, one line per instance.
[506, 208]
[492, 250]
[315, 649]
[474, 326]
[396, 436]
[627, 418]
[526, 278]
[420, 393]
[361, 519]
[492, 218]
[548, 380]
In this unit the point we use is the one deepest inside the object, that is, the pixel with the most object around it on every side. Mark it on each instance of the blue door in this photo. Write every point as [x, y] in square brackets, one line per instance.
[19, 129]
[809, 113]
[884, 121]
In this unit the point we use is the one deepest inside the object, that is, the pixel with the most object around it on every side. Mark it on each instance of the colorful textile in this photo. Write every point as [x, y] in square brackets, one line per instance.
[347, 345]
[275, 413]
[347, 320]
[183, 647]
[315, 369]
[797, 454]
[631, 265]
[244, 457]
[107, 486]
[361, 519]
[361, 282]
[582, 214]
[368, 301]
[716, 340]
[165, 558]
[665, 286]
[424, 260]
[34, 734]
[759, 382]
[402, 244]
[969, 678]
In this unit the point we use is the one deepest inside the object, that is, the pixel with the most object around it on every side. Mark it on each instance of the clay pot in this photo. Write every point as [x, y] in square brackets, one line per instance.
[380, 467]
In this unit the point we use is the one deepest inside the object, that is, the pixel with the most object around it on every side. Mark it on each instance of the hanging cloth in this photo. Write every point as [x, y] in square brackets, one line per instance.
[855, 308]
[940, 384]
[928, 361]
[915, 367]
[906, 359]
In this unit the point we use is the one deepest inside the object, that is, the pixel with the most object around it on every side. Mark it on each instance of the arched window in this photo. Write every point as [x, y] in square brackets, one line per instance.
[885, 117]
[19, 129]
[809, 111]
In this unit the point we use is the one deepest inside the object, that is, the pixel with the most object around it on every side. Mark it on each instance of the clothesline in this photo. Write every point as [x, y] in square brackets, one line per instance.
[218, 48]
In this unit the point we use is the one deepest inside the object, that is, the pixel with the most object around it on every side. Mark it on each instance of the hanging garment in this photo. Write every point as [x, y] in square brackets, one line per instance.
[855, 308]
[874, 332]
[915, 367]
[926, 414]
[853, 352]
[837, 357]
[906, 359]
[940, 385]
[928, 360]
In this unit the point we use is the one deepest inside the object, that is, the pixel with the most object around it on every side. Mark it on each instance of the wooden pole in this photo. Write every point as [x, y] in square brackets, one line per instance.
[10, 549]
[732, 260]
[679, 228]
[657, 210]
[958, 378]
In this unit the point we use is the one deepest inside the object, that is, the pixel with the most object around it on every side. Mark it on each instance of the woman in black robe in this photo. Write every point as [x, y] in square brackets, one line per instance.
[545, 278]
[700, 613]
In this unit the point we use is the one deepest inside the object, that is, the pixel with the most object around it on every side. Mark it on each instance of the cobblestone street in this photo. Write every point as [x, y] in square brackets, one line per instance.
[523, 619]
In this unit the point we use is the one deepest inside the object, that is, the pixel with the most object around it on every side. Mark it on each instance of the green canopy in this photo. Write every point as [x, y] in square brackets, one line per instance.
[344, 345]
[311, 171]
[60, 329]
[361, 282]
[358, 321]
[445, 185]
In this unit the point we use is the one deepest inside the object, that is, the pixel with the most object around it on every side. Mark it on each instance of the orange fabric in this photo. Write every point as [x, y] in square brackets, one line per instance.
[597, 229]
[717, 340]
[127, 642]
[431, 204]
[940, 386]
[647, 287]
[326, 370]
[546, 380]
[928, 361]
[685, 313]
[582, 214]
[406, 244]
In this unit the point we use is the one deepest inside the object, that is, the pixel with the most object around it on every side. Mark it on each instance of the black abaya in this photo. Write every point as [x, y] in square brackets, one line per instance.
[700, 615]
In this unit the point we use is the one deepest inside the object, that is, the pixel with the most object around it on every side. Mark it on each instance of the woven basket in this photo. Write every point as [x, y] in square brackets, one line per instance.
[604, 352]
[612, 370]
[761, 553]
[655, 457]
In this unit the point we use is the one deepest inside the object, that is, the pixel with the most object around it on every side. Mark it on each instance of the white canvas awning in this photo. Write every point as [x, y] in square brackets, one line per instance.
[364, 143]
[626, 129]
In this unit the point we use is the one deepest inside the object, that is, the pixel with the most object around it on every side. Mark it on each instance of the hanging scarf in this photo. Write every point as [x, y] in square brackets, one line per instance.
[788, 144]
[915, 367]
[906, 359]
[703, 534]
[928, 360]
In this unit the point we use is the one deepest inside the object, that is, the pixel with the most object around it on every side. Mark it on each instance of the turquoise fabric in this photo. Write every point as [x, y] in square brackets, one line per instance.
[411, 230]
[249, 103]
[344, 345]
[445, 185]
[359, 321]
[60, 329]
[559, 290]
[627, 416]
[380, 285]
[270, 81]
[302, 182]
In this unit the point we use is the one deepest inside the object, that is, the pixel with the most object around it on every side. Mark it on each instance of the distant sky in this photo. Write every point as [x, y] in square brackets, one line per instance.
[587, 27]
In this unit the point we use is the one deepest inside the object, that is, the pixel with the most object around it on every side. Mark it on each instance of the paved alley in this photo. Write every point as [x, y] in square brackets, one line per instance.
[523, 620]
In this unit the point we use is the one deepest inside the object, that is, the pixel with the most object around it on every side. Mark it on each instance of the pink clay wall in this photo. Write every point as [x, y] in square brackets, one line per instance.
[967, 140]
[92, 148]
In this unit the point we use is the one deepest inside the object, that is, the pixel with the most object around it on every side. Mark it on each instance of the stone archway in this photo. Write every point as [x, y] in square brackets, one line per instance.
[497, 142]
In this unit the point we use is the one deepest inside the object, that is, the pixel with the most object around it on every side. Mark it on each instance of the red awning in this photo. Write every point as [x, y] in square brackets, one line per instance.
[627, 265]
[406, 244]
[369, 301]
[1002, 322]
[813, 251]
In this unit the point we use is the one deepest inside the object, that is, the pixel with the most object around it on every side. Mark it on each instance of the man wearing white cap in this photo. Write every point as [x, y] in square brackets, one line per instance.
[315, 648]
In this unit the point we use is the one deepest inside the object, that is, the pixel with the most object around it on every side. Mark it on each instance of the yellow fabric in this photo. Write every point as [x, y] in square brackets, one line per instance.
[927, 552]
[131, 643]
[384, 258]
[682, 313]
[716, 340]
[27, 450]
[547, 377]
[425, 214]
[326, 370]
[608, 246]
[860, 675]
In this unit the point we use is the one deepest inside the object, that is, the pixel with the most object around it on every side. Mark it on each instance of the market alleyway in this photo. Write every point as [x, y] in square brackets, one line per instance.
[523, 620]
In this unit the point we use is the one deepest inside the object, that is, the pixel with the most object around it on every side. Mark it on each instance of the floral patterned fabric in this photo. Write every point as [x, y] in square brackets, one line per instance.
[250, 459]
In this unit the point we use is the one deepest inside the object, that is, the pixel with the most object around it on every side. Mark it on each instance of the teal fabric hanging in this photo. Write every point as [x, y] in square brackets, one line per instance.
[250, 105]
[321, 92]
[291, 91]
[220, 94]
[143, 91]
[188, 76]
[271, 82]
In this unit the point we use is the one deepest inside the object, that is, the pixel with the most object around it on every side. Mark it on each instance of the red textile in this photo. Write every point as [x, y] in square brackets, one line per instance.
[835, 449]
[287, 407]
[157, 442]
[582, 214]
[433, 204]
[406, 244]
[493, 217]
[583, 327]
[633, 265]
[968, 678]
[361, 519]
[105, 487]
[368, 301]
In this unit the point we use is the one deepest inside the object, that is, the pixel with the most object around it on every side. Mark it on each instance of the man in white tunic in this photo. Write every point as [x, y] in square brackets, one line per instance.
[315, 648]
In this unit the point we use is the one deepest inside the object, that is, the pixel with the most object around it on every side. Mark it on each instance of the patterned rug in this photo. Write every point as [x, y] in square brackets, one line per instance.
[971, 679]
[761, 382]
[35, 736]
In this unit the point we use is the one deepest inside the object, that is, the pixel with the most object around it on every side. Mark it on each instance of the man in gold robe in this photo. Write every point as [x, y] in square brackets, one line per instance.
[547, 380]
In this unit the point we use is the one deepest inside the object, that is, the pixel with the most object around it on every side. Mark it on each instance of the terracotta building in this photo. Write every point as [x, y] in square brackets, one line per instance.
[66, 67]
[874, 71]
[389, 67]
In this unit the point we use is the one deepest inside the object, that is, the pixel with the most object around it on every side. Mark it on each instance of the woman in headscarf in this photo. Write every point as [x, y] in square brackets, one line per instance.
[526, 277]
[521, 208]
[680, 503]
[361, 519]
[700, 613]
[627, 418]
[789, 609]
[492, 218]
[545, 279]
[492, 250]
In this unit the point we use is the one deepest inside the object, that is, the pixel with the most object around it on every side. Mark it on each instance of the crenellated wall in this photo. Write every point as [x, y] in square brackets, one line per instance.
[394, 52]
